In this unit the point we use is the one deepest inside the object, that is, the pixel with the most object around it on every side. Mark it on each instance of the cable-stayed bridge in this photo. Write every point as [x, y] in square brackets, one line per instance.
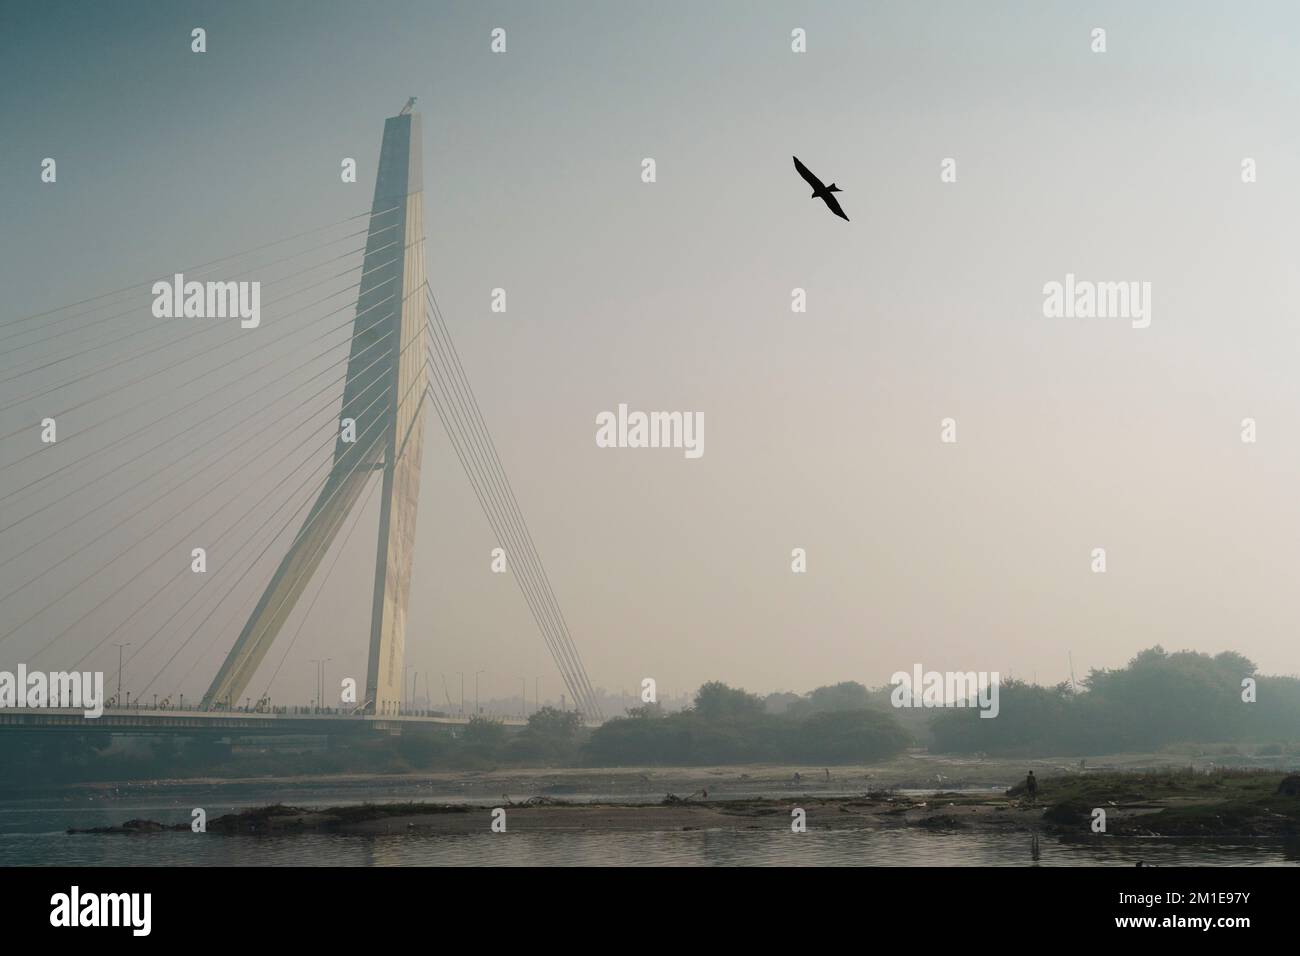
[151, 429]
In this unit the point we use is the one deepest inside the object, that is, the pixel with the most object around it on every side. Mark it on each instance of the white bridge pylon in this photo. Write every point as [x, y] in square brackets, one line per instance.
[384, 396]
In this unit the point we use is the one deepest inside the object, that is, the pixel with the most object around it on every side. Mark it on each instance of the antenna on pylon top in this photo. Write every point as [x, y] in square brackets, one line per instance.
[407, 108]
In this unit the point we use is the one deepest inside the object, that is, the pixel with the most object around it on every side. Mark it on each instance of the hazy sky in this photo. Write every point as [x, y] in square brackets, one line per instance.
[822, 429]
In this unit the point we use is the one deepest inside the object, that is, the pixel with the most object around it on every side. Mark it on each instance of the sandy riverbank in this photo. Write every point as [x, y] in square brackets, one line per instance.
[1163, 803]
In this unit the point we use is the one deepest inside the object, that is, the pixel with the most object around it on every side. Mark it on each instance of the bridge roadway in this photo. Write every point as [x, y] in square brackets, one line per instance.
[129, 720]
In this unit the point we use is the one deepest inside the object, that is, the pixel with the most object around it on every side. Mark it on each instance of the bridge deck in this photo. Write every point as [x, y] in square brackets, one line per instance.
[130, 720]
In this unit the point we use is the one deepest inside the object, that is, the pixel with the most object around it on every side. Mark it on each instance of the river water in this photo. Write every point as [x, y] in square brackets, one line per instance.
[33, 832]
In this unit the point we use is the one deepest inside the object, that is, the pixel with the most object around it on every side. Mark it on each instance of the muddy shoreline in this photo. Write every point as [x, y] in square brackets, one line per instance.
[1224, 804]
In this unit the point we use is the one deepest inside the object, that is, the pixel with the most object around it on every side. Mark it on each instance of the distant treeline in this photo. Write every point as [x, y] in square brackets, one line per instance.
[832, 725]
[1158, 700]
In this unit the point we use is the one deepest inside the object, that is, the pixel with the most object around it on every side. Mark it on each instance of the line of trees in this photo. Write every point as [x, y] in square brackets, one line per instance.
[730, 725]
[1158, 700]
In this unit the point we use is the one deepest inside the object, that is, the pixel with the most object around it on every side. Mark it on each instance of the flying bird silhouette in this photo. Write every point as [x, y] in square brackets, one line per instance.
[821, 191]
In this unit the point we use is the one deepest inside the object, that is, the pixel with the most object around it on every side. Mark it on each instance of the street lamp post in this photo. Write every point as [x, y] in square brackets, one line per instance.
[476, 673]
[119, 671]
[320, 680]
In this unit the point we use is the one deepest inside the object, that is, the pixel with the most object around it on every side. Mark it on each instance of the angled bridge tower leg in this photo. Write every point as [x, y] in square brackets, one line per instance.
[384, 395]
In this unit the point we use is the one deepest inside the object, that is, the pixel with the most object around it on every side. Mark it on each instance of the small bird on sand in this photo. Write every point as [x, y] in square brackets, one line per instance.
[821, 191]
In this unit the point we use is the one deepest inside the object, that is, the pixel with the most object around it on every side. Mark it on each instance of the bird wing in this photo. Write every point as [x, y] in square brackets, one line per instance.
[806, 173]
[835, 206]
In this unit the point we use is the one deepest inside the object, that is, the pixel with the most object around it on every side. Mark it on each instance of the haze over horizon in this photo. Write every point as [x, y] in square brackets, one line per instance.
[822, 428]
